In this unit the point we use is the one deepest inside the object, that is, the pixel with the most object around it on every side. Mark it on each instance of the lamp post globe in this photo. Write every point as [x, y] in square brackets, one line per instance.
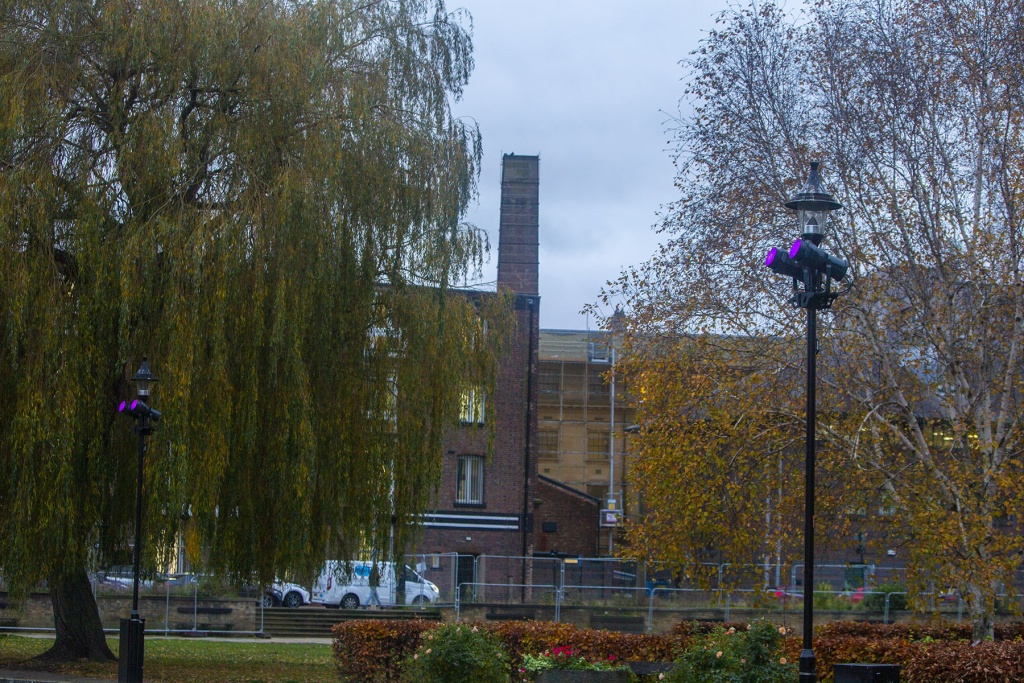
[812, 205]
[144, 379]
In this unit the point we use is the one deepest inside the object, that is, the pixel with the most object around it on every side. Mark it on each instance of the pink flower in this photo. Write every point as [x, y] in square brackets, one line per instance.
[719, 655]
[611, 658]
[661, 677]
[416, 656]
[782, 660]
[428, 650]
[782, 630]
[731, 630]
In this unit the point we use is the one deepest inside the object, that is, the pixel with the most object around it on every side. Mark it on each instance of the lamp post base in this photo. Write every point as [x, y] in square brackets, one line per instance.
[131, 647]
[808, 667]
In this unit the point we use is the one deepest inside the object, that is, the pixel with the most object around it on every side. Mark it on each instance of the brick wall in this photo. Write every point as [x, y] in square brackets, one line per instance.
[570, 517]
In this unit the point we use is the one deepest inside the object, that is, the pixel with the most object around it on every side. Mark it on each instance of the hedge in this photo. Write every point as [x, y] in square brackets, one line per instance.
[372, 651]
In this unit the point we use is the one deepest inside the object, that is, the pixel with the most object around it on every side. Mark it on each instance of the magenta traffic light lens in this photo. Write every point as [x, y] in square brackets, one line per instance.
[135, 403]
[121, 407]
[771, 256]
[795, 249]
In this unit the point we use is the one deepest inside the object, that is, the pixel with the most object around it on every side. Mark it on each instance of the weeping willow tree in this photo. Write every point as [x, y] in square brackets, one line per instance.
[264, 198]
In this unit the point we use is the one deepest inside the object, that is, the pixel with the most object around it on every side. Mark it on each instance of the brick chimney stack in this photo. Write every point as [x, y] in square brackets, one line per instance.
[518, 261]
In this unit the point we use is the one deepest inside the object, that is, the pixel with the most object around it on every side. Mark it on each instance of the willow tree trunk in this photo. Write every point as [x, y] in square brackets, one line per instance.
[77, 621]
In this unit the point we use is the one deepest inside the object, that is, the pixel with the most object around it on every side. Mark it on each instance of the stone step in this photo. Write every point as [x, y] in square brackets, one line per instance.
[317, 623]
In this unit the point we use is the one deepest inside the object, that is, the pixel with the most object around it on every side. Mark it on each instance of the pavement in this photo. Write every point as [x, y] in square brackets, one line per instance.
[8, 676]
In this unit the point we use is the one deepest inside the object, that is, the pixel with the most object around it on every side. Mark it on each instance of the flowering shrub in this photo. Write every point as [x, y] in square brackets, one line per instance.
[730, 656]
[454, 653]
[564, 657]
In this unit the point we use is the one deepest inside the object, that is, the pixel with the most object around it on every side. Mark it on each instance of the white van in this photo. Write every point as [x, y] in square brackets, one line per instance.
[348, 585]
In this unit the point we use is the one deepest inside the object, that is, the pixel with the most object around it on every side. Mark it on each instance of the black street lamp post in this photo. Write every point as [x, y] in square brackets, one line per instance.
[812, 270]
[133, 629]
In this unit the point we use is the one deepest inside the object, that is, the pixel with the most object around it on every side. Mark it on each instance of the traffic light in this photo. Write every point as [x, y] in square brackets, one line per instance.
[805, 253]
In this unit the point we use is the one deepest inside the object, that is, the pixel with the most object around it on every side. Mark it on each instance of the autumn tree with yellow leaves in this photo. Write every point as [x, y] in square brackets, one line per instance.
[265, 198]
[914, 108]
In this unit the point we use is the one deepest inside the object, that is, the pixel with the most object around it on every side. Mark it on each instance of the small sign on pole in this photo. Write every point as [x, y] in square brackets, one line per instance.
[610, 517]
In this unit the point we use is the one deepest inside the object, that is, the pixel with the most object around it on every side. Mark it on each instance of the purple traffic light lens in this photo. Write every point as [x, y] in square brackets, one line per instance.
[135, 403]
[771, 256]
[121, 407]
[795, 249]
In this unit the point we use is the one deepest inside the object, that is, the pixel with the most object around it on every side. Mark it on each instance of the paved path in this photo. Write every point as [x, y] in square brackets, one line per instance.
[8, 676]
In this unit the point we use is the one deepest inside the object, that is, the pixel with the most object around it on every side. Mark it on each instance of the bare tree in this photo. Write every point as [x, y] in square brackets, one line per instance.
[914, 107]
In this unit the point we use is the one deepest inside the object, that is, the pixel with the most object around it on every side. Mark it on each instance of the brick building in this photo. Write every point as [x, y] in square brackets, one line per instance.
[485, 505]
[566, 520]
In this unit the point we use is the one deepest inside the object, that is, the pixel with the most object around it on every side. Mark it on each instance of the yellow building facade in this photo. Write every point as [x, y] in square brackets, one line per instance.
[581, 438]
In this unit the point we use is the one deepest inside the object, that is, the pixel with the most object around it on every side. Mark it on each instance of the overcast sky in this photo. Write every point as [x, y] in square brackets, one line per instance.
[589, 85]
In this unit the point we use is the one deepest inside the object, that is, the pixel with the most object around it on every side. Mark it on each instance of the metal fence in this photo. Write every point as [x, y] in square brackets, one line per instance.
[167, 609]
[450, 570]
[559, 588]
[618, 605]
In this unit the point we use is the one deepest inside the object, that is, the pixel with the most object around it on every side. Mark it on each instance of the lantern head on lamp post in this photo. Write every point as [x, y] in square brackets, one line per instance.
[144, 379]
[806, 262]
[812, 205]
[812, 270]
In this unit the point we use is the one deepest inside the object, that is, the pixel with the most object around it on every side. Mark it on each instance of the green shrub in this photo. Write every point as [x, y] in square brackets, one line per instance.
[827, 599]
[875, 600]
[731, 656]
[454, 653]
[564, 657]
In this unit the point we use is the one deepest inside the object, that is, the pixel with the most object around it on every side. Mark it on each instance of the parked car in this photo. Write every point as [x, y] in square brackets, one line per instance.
[786, 593]
[122, 577]
[286, 595]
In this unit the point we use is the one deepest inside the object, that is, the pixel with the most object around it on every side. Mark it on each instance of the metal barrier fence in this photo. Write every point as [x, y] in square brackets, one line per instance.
[452, 569]
[681, 603]
[167, 609]
[565, 582]
[448, 570]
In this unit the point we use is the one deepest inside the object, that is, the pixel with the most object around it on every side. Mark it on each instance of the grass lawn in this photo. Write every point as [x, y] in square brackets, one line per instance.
[187, 660]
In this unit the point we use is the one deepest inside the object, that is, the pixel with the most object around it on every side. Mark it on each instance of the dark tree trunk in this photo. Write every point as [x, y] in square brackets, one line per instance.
[77, 621]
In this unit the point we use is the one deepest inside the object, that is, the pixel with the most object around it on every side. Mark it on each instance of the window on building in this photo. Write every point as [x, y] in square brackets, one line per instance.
[548, 379]
[598, 352]
[547, 443]
[598, 442]
[471, 410]
[470, 480]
